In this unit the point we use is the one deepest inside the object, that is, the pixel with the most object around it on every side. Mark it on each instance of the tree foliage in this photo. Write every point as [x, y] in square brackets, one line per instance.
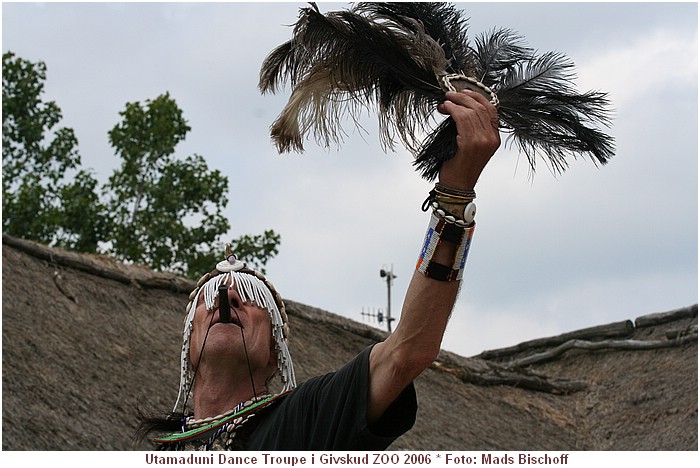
[42, 184]
[257, 250]
[155, 209]
[153, 195]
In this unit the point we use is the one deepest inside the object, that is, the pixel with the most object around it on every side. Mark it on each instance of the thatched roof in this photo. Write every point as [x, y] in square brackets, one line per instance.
[87, 340]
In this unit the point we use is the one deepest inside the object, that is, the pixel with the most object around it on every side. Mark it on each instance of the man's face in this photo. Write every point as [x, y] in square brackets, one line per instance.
[224, 343]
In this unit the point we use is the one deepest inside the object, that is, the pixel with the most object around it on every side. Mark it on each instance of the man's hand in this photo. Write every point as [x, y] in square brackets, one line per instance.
[477, 139]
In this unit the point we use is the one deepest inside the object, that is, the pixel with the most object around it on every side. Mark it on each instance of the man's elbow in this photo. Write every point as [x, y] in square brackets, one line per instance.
[412, 362]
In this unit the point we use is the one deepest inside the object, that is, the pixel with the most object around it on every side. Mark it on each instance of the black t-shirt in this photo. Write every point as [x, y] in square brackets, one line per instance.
[324, 413]
[330, 413]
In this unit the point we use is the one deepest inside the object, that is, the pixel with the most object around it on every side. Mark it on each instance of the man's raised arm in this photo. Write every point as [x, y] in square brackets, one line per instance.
[431, 295]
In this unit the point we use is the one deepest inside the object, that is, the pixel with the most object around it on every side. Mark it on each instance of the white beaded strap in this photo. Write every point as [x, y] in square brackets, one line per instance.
[463, 252]
[442, 230]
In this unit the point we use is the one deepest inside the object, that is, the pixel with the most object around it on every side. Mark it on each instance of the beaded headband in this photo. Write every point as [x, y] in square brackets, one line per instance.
[253, 288]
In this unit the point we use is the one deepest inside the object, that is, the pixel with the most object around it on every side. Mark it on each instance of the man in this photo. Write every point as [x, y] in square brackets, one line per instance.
[228, 366]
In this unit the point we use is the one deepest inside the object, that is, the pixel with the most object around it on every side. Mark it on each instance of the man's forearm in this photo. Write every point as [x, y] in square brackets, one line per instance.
[433, 290]
[415, 342]
[427, 309]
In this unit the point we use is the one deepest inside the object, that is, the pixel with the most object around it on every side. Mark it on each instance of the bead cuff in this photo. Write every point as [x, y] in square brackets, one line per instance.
[440, 229]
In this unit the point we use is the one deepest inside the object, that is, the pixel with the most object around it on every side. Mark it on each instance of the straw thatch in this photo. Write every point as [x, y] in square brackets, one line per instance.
[87, 340]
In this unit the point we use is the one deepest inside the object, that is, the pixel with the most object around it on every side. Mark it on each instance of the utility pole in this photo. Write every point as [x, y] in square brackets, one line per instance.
[389, 275]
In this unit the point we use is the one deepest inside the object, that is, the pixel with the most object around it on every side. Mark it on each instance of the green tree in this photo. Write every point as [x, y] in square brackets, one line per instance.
[254, 250]
[45, 196]
[165, 212]
[257, 250]
[153, 195]
[159, 211]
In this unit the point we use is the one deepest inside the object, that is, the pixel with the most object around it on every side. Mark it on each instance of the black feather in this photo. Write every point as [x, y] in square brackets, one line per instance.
[441, 21]
[391, 56]
[339, 64]
[497, 52]
[543, 112]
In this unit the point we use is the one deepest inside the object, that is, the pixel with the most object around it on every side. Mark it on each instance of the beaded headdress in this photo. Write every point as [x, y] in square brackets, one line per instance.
[252, 287]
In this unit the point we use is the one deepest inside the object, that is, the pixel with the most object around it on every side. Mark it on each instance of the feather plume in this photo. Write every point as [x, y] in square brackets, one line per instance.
[439, 20]
[351, 63]
[393, 58]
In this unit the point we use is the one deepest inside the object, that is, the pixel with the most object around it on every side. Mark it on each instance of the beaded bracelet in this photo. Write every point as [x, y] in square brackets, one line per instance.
[444, 228]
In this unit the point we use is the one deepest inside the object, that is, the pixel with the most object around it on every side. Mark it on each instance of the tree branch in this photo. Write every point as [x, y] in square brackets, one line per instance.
[553, 353]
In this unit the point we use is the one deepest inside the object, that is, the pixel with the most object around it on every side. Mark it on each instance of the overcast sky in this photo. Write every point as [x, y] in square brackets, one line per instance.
[550, 254]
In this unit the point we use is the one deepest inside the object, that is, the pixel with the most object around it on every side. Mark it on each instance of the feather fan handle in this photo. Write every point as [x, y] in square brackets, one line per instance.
[400, 58]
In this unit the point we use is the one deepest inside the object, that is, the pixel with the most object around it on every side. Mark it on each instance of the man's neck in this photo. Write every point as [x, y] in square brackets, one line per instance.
[214, 395]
